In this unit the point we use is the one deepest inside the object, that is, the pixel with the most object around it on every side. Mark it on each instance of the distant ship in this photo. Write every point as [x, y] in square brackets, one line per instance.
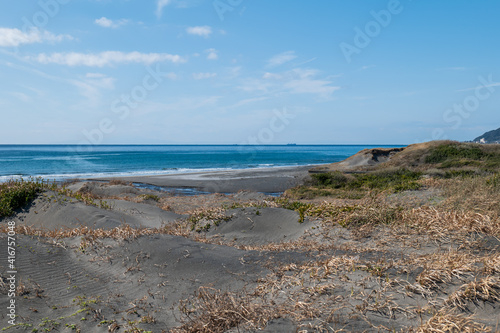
[291, 144]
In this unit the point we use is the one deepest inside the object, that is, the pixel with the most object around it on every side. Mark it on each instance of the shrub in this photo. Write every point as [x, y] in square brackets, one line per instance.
[16, 194]
[397, 180]
[459, 173]
[150, 197]
[328, 184]
[332, 179]
[446, 152]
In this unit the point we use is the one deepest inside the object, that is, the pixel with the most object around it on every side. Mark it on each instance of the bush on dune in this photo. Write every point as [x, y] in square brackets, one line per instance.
[15, 194]
[457, 155]
[397, 180]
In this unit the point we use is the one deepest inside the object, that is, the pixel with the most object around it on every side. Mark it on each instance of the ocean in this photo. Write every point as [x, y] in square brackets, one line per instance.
[59, 162]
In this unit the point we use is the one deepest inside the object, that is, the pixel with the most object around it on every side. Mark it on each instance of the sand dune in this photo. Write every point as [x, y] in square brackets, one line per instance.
[254, 226]
[49, 211]
[241, 258]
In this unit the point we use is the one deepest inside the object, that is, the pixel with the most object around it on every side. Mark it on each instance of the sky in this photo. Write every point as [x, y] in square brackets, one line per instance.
[248, 71]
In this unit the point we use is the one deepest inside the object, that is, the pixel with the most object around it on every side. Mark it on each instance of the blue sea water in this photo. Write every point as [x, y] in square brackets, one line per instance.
[58, 162]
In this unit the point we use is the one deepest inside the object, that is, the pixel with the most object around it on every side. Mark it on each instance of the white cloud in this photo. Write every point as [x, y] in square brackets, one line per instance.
[21, 96]
[303, 82]
[212, 54]
[234, 72]
[107, 23]
[159, 7]
[106, 58]
[309, 86]
[100, 80]
[281, 58]
[494, 84]
[296, 81]
[247, 101]
[171, 76]
[363, 68]
[203, 31]
[15, 37]
[271, 76]
[94, 75]
[255, 85]
[201, 76]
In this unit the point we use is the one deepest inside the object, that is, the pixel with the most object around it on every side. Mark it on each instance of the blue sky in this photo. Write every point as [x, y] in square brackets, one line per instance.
[241, 71]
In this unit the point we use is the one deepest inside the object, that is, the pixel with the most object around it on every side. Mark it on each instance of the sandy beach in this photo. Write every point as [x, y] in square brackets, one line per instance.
[268, 180]
[113, 257]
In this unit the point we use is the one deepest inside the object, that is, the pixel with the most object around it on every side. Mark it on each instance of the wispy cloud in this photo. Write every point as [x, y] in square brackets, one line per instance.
[108, 23]
[100, 80]
[160, 4]
[15, 37]
[364, 68]
[212, 54]
[296, 81]
[201, 76]
[203, 31]
[91, 87]
[281, 58]
[20, 96]
[247, 101]
[303, 82]
[494, 84]
[106, 58]
[171, 76]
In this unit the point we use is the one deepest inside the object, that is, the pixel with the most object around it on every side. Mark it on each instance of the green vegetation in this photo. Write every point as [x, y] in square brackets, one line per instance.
[84, 302]
[202, 219]
[299, 207]
[457, 155]
[48, 324]
[85, 197]
[16, 194]
[395, 180]
[332, 179]
[406, 170]
[460, 173]
[150, 197]
[447, 152]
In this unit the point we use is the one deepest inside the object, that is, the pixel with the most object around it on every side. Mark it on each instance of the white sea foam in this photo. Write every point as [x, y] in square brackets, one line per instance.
[97, 175]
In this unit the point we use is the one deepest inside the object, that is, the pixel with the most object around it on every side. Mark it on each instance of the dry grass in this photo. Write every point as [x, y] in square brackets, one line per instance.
[123, 232]
[439, 222]
[492, 264]
[484, 290]
[448, 321]
[441, 268]
[212, 311]
[119, 182]
[475, 194]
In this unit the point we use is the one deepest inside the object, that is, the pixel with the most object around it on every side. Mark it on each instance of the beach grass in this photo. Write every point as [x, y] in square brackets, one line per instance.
[15, 194]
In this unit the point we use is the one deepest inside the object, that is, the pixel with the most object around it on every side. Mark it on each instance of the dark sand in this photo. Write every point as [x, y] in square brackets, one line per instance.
[268, 180]
[315, 276]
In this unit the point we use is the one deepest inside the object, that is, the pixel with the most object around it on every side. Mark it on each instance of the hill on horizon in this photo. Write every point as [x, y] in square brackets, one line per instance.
[489, 137]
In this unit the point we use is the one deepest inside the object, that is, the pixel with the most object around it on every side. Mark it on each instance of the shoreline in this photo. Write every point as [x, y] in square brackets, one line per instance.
[132, 174]
[265, 180]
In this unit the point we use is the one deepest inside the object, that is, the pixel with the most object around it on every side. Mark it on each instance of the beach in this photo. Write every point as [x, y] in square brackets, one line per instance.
[267, 180]
[109, 255]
